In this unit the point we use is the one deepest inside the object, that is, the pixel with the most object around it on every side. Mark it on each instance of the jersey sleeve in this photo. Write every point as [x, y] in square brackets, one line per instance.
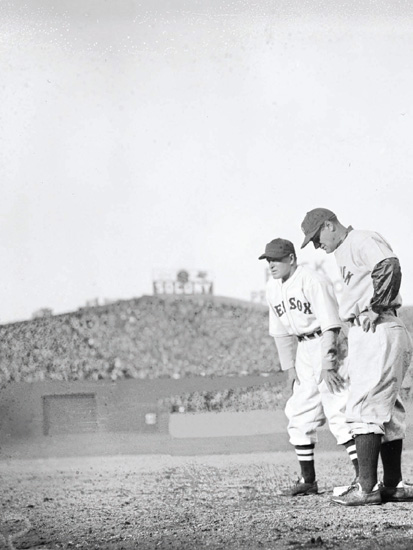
[276, 328]
[324, 304]
[387, 278]
[373, 250]
[287, 351]
[329, 349]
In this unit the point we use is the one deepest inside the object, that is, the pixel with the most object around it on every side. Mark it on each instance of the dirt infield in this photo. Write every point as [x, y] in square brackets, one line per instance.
[220, 501]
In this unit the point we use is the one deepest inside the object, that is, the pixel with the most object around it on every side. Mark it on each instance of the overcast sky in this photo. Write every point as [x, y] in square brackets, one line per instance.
[148, 134]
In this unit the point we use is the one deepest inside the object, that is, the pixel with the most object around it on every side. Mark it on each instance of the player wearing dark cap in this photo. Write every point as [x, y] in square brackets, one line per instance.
[379, 353]
[303, 309]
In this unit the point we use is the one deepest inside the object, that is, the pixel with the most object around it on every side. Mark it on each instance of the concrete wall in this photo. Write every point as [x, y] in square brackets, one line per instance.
[56, 408]
[227, 424]
[107, 418]
[31, 410]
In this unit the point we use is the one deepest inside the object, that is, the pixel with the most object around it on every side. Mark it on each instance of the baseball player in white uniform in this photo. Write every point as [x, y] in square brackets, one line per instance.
[379, 353]
[303, 309]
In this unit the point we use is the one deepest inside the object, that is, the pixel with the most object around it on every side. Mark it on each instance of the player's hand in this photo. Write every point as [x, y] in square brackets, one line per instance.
[333, 380]
[292, 378]
[368, 320]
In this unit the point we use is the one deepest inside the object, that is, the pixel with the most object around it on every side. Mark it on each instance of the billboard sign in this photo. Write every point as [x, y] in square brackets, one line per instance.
[182, 281]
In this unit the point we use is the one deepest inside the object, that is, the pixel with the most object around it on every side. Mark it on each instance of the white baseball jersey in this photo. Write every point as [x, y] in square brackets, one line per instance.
[356, 258]
[301, 305]
[304, 304]
[377, 361]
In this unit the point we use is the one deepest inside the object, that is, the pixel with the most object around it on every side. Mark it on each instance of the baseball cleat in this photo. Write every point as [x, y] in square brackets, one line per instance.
[301, 488]
[338, 491]
[355, 496]
[403, 492]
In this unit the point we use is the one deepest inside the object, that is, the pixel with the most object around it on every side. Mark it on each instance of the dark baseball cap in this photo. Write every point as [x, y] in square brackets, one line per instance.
[278, 249]
[313, 221]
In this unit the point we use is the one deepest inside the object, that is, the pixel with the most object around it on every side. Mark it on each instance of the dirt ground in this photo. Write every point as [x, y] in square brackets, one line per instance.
[216, 501]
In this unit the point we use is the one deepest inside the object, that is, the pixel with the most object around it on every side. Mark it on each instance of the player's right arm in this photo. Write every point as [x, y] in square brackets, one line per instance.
[285, 343]
[286, 348]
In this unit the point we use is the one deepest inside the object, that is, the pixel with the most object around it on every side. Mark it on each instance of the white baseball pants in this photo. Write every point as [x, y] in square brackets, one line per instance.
[377, 364]
[311, 403]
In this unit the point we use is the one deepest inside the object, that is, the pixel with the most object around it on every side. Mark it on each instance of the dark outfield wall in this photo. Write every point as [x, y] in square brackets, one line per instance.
[45, 409]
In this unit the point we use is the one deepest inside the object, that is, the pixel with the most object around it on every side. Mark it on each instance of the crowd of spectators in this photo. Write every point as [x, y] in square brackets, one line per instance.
[269, 396]
[149, 338]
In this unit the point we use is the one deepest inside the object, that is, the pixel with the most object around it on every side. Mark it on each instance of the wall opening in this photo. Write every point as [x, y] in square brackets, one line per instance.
[69, 414]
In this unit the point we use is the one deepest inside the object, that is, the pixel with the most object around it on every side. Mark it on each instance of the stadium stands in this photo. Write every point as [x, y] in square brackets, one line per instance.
[268, 396]
[149, 337]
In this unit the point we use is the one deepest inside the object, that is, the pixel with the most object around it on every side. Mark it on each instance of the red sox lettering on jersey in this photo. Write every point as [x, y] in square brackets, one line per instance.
[302, 304]
[293, 303]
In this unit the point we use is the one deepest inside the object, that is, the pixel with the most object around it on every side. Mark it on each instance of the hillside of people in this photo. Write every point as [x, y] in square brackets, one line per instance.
[155, 337]
[148, 337]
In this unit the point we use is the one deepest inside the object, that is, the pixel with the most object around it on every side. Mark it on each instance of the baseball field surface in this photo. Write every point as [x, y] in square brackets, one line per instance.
[212, 501]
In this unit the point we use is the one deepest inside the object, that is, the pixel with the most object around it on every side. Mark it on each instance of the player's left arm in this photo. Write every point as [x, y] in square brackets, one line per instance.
[325, 308]
[329, 361]
[386, 277]
[324, 304]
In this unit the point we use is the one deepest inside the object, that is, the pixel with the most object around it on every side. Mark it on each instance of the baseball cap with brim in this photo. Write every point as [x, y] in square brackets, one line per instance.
[278, 249]
[313, 221]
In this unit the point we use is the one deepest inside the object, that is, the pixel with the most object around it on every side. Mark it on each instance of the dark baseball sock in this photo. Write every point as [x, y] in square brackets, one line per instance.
[368, 450]
[352, 453]
[305, 455]
[391, 457]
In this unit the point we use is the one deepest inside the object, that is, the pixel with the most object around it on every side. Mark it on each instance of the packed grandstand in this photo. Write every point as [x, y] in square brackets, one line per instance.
[148, 338]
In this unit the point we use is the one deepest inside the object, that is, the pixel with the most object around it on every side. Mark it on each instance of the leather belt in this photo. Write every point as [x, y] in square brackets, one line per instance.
[310, 336]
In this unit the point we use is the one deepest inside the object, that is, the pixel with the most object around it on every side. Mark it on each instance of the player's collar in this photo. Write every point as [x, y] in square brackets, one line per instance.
[349, 228]
[293, 276]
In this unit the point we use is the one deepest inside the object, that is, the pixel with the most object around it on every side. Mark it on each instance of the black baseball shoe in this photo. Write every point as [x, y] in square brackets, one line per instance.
[338, 491]
[355, 496]
[403, 492]
[301, 488]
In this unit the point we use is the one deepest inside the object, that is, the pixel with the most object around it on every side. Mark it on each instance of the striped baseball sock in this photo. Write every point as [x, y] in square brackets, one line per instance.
[352, 453]
[391, 457]
[305, 455]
